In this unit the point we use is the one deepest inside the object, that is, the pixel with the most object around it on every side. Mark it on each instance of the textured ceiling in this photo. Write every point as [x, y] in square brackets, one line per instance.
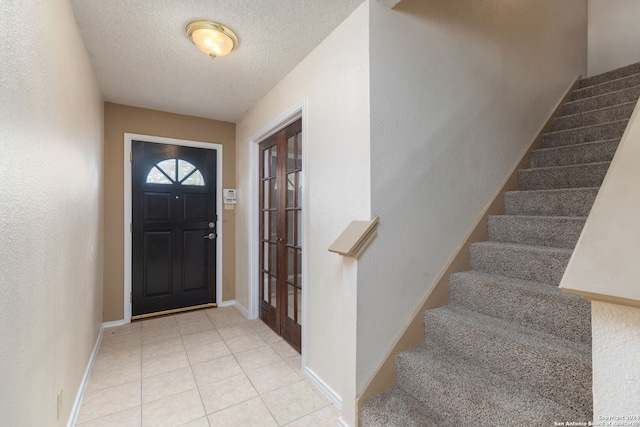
[143, 57]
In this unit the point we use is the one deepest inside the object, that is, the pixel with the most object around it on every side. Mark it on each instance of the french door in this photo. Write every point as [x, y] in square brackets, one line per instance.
[281, 233]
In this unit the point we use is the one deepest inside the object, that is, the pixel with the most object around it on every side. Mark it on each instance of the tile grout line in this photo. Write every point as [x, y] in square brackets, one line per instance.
[212, 327]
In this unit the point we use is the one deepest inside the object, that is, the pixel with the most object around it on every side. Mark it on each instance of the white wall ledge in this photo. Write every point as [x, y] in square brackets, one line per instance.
[605, 260]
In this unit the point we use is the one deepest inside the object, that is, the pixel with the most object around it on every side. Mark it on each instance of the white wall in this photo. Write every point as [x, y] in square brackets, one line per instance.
[333, 83]
[616, 356]
[50, 204]
[458, 91]
[614, 34]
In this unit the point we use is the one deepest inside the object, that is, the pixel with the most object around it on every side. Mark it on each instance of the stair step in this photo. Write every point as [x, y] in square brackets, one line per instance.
[537, 263]
[595, 117]
[398, 408]
[611, 75]
[606, 87]
[572, 176]
[555, 368]
[561, 202]
[552, 231]
[540, 306]
[467, 395]
[601, 132]
[601, 101]
[587, 152]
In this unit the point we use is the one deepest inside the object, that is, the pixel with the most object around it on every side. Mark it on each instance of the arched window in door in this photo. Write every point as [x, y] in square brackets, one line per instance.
[175, 171]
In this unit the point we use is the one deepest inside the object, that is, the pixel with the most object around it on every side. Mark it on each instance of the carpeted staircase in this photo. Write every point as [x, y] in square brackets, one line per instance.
[511, 348]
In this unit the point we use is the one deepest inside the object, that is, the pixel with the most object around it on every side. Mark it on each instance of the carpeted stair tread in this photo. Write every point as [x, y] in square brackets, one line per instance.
[587, 152]
[600, 132]
[398, 408]
[622, 96]
[552, 231]
[627, 70]
[537, 263]
[540, 306]
[555, 368]
[559, 202]
[606, 87]
[570, 176]
[595, 117]
[468, 395]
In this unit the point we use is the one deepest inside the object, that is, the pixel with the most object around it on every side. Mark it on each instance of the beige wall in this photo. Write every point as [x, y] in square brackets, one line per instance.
[332, 83]
[50, 212]
[121, 119]
[614, 34]
[458, 91]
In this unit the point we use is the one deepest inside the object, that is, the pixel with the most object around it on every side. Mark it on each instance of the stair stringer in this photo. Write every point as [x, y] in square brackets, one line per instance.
[385, 377]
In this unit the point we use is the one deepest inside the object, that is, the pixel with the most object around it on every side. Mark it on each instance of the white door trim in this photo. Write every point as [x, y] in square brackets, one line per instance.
[128, 137]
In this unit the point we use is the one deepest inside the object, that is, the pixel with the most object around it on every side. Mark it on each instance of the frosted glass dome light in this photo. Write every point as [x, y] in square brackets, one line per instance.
[212, 38]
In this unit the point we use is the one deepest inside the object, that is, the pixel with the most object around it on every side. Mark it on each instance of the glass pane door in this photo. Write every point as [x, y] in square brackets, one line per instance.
[281, 233]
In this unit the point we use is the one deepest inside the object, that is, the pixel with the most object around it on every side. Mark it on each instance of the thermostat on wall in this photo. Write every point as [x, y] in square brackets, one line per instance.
[229, 196]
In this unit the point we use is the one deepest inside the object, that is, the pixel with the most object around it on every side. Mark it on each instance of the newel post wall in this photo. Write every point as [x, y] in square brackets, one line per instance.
[351, 244]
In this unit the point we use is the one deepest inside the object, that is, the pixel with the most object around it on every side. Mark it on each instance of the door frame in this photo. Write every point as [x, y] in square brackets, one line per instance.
[128, 137]
[297, 111]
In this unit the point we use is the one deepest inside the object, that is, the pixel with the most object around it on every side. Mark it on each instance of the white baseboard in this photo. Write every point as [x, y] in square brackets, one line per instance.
[114, 323]
[324, 388]
[238, 307]
[227, 303]
[75, 409]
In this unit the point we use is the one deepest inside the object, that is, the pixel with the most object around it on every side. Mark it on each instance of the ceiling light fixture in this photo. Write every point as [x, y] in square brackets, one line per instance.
[212, 38]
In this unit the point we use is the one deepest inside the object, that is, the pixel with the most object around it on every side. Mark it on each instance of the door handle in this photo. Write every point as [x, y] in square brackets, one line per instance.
[210, 236]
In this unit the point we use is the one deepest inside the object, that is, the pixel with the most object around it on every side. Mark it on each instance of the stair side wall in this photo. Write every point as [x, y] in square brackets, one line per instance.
[457, 91]
[385, 376]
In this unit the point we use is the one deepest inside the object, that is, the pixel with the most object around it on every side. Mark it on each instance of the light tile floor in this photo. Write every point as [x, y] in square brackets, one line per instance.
[203, 368]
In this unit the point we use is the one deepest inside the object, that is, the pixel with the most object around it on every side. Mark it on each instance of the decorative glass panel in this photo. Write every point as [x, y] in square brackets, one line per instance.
[195, 178]
[273, 266]
[273, 286]
[184, 169]
[265, 194]
[165, 173]
[274, 226]
[265, 259]
[274, 193]
[157, 177]
[265, 225]
[169, 167]
[265, 292]
[274, 160]
[291, 253]
[291, 238]
[265, 164]
[291, 299]
[291, 195]
[291, 153]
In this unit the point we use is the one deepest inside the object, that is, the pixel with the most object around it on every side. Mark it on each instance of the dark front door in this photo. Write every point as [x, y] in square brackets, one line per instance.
[173, 227]
[281, 233]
